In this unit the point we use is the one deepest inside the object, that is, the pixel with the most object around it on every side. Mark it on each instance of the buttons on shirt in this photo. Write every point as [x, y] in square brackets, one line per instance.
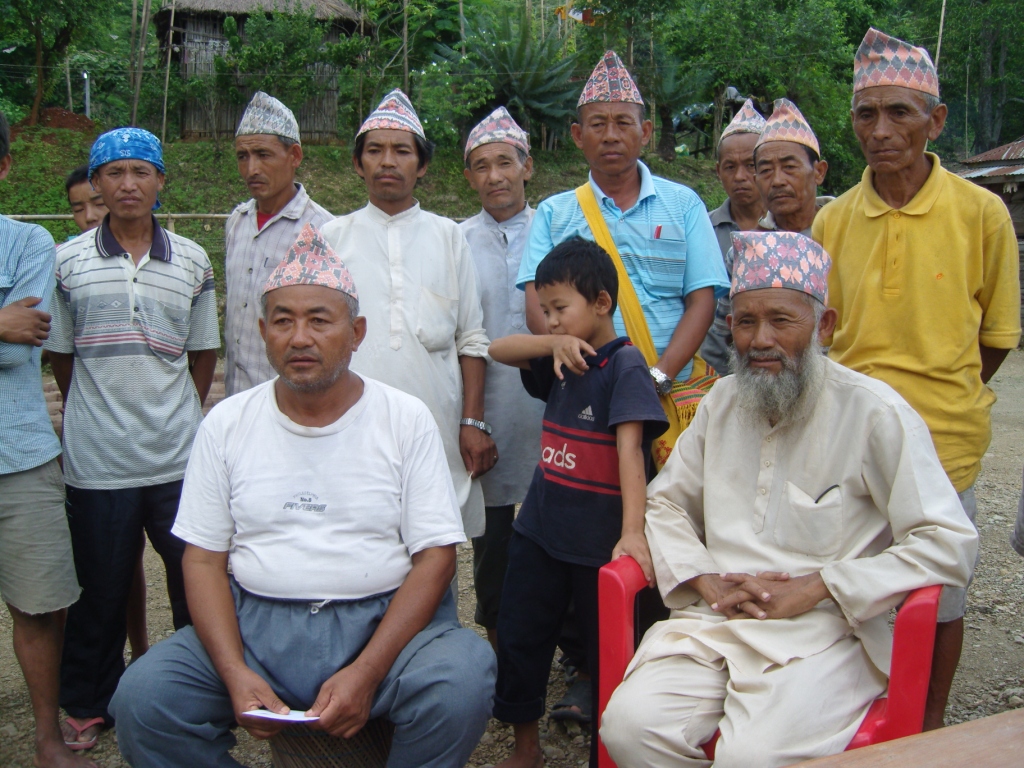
[762, 491]
[136, 309]
[767, 463]
[768, 439]
[245, 304]
[896, 214]
[135, 279]
[250, 270]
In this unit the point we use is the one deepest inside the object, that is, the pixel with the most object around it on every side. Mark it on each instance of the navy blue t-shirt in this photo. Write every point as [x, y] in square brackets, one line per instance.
[574, 506]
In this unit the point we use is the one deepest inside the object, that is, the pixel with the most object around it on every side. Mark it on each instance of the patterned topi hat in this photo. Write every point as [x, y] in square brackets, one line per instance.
[312, 261]
[747, 120]
[788, 124]
[265, 115]
[396, 113]
[610, 81]
[779, 260]
[885, 60]
[497, 127]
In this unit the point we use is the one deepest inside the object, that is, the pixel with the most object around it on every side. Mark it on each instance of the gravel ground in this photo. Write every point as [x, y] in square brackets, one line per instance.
[990, 680]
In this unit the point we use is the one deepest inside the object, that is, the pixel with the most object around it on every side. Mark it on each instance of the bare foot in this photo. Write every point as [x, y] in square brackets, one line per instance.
[71, 735]
[524, 759]
[53, 754]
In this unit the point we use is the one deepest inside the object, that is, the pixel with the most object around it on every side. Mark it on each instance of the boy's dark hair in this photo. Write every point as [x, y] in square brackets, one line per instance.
[76, 177]
[5, 137]
[424, 149]
[584, 265]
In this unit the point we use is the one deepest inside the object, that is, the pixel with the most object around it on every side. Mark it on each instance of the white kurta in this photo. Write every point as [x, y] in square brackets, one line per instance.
[418, 292]
[497, 249]
[853, 490]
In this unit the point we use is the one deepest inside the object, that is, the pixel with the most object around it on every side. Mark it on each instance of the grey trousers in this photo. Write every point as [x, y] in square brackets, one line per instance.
[172, 709]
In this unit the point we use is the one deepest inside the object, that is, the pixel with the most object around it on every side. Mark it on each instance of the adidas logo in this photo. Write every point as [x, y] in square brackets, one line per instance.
[586, 414]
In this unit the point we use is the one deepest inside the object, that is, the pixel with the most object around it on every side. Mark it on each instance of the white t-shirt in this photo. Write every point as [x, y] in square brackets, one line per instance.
[319, 513]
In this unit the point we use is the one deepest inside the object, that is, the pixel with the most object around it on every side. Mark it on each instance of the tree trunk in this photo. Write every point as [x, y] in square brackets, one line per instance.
[999, 106]
[983, 138]
[37, 101]
[716, 131]
[667, 140]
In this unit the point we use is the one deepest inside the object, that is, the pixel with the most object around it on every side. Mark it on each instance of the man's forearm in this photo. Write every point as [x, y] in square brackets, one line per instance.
[991, 359]
[411, 609]
[202, 365]
[534, 314]
[63, 366]
[690, 333]
[474, 371]
[212, 608]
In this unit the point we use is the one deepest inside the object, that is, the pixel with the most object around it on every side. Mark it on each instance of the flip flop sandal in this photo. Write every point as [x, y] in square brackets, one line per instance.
[80, 727]
[577, 696]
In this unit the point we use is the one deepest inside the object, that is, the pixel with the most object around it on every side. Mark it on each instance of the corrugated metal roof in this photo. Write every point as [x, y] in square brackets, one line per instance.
[990, 171]
[1012, 151]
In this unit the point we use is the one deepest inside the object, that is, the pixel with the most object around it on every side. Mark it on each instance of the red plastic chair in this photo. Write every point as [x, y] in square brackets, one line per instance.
[901, 714]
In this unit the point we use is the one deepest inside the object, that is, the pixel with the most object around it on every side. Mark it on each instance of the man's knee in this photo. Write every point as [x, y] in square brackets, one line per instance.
[471, 670]
[135, 700]
[622, 721]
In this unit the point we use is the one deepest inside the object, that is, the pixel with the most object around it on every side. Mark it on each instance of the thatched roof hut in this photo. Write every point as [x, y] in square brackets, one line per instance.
[199, 38]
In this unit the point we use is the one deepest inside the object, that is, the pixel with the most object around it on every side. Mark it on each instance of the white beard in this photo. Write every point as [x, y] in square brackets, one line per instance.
[784, 397]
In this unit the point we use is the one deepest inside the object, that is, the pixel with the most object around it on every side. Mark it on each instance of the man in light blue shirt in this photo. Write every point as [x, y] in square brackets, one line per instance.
[37, 572]
[660, 228]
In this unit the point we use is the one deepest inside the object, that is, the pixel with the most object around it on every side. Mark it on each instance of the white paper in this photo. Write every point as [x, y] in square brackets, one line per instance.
[294, 716]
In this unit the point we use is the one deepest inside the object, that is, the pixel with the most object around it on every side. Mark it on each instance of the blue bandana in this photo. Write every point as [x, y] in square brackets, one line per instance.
[126, 144]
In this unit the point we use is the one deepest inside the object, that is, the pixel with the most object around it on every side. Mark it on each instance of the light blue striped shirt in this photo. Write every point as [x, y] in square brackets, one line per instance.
[27, 439]
[666, 242]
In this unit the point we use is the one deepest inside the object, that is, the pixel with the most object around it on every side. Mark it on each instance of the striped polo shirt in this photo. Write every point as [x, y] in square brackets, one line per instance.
[132, 411]
[574, 506]
[26, 269]
[666, 242]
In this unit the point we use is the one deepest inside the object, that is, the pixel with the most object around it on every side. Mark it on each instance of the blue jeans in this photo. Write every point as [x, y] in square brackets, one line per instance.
[173, 710]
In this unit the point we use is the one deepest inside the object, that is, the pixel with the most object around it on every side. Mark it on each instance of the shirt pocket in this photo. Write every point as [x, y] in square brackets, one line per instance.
[6, 283]
[663, 268]
[807, 527]
[436, 321]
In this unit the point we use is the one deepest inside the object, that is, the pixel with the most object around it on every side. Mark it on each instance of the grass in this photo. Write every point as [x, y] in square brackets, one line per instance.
[202, 180]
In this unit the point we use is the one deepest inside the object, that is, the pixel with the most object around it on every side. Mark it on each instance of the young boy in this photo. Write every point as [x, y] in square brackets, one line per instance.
[86, 203]
[586, 503]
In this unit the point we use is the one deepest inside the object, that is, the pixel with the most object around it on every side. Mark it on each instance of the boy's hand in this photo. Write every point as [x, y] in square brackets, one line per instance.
[569, 351]
[635, 545]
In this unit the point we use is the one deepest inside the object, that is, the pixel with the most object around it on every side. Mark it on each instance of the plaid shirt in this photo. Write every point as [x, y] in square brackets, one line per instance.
[251, 256]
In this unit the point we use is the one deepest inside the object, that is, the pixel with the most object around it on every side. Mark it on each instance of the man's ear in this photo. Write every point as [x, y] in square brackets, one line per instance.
[357, 165]
[827, 324]
[728, 320]
[263, 329]
[295, 154]
[528, 169]
[820, 169]
[938, 122]
[5, 166]
[577, 134]
[358, 332]
[647, 131]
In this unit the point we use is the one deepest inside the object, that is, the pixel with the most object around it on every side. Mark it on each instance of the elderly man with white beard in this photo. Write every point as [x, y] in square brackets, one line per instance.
[802, 504]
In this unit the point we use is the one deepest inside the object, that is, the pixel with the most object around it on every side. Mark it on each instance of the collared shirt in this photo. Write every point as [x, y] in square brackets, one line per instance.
[714, 350]
[418, 292]
[665, 240]
[852, 488]
[497, 250]
[252, 254]
[767, 222]
[133, 410]
[918, 290]
[27, 439]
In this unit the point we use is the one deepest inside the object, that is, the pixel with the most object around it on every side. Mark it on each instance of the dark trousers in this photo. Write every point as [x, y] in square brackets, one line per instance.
[106, 526]
[490, 561]
[538, 590]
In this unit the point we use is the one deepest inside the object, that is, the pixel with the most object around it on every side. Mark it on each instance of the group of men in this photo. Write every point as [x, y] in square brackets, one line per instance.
[308, 525]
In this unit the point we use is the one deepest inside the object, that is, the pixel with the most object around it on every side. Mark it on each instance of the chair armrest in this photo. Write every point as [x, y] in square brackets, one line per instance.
[911, 667]
[617, 587]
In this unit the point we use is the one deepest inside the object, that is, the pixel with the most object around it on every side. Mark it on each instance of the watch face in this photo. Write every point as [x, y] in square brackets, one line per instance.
[664, 387]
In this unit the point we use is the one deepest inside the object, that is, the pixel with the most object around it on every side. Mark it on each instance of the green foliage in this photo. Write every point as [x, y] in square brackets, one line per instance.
[446, 101]
[529, 75]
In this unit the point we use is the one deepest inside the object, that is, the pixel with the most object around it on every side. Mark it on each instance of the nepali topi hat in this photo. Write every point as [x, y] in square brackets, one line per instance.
[747, 120]
[497, 127]
[610, 81]
[265, 115]
[312, 261]
[885, 60]
[395, 113]
[788, 124]
[779, 259]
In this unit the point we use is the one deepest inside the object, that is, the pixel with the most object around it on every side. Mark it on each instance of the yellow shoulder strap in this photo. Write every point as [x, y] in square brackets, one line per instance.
[629, 303]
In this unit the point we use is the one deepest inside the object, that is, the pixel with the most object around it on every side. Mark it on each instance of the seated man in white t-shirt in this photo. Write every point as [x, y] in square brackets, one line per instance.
[329, 498]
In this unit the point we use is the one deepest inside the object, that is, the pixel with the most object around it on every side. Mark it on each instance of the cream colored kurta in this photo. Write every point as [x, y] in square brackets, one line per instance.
[418, 292]
[854, 490]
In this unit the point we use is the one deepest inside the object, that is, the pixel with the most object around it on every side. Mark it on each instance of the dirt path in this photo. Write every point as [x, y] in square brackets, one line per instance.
[990, 680]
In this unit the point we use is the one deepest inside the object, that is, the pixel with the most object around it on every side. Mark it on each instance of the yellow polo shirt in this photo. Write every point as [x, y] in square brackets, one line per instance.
[917, 290]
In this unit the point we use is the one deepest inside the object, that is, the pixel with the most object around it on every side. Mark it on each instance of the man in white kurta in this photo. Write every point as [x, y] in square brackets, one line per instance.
[419, 295]
[839, 488]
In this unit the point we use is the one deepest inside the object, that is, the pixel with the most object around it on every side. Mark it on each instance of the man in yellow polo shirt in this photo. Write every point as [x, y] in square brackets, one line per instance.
[925, 279]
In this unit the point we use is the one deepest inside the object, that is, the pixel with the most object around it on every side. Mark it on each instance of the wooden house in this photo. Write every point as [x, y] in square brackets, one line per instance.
[1001, 170]
[199, 37]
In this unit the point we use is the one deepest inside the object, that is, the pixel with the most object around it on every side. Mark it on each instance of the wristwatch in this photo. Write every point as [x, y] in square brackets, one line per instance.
[662, 383]
[483, 426]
